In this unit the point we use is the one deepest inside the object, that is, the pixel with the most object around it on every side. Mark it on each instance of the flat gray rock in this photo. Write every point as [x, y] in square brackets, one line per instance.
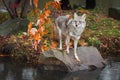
[56, 59]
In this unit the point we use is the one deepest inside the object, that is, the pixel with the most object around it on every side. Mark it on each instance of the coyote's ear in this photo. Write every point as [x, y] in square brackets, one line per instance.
[75, 15]
[83, 16]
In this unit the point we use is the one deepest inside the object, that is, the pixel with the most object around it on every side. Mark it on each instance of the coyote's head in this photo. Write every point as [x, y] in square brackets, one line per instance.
[78, 21]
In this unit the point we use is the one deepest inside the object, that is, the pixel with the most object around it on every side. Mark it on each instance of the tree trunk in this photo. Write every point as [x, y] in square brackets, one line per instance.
[65, 5]
[8, 9]
[24, 8]
[90, 4]
[12, 7]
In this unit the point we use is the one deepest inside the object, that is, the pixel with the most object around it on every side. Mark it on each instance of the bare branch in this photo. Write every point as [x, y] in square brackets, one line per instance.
[8, 9]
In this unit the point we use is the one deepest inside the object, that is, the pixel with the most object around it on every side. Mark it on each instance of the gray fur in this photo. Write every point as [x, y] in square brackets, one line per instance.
[71, 28]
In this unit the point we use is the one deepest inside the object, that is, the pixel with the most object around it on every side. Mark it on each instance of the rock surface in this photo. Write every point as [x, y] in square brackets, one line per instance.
[114, 12]
[12, 26]
[59, 60]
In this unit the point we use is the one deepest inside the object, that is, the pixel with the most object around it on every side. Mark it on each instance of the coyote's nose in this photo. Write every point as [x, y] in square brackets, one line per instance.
[76, 25]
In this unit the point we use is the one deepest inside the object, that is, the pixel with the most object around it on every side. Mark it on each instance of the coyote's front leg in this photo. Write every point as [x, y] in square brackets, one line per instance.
[75, 50]
[67, 43]
[60, 37]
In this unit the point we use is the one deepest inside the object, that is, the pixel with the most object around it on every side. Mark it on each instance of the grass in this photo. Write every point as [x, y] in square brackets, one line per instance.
[99, 26]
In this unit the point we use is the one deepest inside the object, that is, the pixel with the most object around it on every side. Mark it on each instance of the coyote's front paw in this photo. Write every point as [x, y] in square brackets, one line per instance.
[67, 51]
[77, 58]
[60, 48]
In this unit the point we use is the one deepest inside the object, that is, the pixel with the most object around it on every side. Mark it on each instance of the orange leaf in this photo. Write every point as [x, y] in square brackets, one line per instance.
[47, 20]
[37, 36]
[36, 3]
[47, 4]
[47, 13]
[51, 36]
[54, 44]
[70, 16]
[70, 44]
[41, 29]
[56, 5]
[44, 48]
[41, 16]
[46, 32]
[29, 27]
[52, 27]
[83, 43]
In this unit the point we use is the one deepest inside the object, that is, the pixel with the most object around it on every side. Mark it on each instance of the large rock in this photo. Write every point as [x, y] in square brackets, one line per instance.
[114, 12]
[59, 60]
[12, 26]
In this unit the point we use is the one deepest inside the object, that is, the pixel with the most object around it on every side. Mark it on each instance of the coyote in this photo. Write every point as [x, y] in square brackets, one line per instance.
[70, 28]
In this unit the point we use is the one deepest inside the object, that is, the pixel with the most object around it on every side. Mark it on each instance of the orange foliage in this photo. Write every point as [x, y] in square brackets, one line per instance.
[47, 5]
[56, 5]
[47, 13]
[54, 44]
[44, 48]
[29, 27]
[47, 20]
[41, 31]
[36, 3]
[51, 36]
[37, 36]
[42, 16]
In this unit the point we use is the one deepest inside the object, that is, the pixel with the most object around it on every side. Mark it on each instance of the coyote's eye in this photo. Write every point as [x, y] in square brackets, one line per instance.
[75, 21]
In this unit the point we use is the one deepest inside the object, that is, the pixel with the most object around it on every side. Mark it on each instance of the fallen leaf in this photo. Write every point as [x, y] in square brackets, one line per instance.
[54, 45]
[83, 43]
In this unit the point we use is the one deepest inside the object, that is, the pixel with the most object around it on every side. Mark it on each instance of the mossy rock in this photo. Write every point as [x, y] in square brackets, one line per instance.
[13, 26]
[3, 16]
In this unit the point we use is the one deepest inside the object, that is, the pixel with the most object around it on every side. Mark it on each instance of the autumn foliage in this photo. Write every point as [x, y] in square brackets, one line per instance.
[42, 34]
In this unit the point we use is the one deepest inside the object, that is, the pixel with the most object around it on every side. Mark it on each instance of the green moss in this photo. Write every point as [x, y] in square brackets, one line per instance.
[3, 17]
